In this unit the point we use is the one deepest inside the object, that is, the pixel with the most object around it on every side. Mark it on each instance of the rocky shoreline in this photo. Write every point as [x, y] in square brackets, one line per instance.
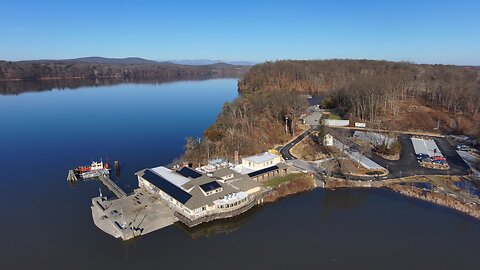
[438, 199]
[394, 185]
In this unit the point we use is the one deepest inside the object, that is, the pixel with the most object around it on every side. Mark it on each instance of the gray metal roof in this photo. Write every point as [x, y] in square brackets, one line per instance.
[223, 172]
[199, 199]
[261, 158]
[166, 186]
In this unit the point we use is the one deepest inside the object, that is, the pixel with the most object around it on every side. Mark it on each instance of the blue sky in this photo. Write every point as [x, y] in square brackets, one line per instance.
[419, 31]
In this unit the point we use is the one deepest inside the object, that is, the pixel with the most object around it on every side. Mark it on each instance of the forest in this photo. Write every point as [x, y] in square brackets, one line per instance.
[90, 70]
[373, 91]
[251, 124]
[389, 94]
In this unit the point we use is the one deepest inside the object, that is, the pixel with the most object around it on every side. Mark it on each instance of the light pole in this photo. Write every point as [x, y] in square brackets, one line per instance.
[286, 124]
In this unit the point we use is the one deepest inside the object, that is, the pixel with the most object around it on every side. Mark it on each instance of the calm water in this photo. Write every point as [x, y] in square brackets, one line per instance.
[47, 224]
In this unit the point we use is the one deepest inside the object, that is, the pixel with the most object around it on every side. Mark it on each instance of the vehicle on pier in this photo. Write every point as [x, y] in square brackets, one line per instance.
[94, 170]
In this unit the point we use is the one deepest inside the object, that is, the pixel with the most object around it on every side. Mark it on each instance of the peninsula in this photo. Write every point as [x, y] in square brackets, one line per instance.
[272, 143]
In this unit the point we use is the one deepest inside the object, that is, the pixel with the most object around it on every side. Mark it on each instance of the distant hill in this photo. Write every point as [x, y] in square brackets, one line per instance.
[99, 60]
[199, 62]
[138, 60]
[132, 68]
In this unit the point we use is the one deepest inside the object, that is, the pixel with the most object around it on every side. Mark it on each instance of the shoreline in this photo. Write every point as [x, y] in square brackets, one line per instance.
[444, 200]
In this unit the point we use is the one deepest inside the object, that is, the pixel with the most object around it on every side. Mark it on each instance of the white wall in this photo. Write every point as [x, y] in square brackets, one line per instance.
[259, 166]
[336, 123]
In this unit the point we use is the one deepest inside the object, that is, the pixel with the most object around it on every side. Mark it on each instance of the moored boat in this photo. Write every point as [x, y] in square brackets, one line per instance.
[95, 169]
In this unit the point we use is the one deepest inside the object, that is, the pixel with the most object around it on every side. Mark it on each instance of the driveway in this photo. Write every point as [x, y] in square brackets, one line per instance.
[285, 150]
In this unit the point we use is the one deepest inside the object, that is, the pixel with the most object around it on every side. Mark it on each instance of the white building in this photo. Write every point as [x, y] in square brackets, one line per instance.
[335, 123]
[260, 161]
[328, 140]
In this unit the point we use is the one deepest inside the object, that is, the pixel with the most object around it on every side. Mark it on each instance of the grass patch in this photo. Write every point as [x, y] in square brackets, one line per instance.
[334, 116]
[280, 180]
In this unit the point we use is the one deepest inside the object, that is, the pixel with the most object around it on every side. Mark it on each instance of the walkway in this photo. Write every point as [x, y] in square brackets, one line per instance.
[112, 186]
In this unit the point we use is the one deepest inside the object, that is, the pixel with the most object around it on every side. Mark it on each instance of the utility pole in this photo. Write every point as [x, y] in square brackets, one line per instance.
[286, 124]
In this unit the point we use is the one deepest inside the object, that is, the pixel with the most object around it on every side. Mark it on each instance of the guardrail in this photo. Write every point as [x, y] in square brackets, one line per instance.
[112, 186]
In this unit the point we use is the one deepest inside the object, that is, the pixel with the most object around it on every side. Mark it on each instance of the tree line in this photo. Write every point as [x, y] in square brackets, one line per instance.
[62, 70]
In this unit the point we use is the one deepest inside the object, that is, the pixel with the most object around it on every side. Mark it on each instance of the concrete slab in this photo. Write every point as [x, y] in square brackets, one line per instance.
[357, 156]
[127, 217]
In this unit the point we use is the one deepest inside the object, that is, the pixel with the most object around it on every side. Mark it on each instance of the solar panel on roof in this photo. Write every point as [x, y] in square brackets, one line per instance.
[263, 171]
[188, 172]
[210, 186]
[166, 186]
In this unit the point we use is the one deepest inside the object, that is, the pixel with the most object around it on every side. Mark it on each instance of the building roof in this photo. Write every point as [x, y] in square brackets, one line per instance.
[166, 186]
[263, 171]
[196, 182]
[242, 169]
[189, 172]
[199, 199]
[244, 183]
[170, 175]
[210, 186]
[223, 172]
[261, 158]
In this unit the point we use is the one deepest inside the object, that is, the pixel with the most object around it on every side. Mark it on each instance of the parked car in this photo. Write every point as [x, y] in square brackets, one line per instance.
[441, 162]
[422, 156]
[426, 159]
[462, 147]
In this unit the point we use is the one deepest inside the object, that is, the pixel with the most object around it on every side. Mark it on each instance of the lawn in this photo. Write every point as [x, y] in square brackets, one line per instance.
[280, 180]
[334, 116]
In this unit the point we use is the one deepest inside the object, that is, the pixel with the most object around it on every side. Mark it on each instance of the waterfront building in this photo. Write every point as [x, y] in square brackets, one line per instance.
[262, 167]
[197, 197]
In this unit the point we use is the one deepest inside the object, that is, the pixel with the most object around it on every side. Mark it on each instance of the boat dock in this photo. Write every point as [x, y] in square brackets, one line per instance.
[112, 186]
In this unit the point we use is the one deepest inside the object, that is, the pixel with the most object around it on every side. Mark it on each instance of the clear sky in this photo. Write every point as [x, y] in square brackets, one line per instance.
[435, 31]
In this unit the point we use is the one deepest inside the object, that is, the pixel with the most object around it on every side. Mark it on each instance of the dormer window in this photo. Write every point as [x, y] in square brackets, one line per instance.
[211, 188]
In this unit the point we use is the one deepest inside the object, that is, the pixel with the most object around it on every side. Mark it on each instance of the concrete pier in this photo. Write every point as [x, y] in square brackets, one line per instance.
[131, 216]
[112, 186]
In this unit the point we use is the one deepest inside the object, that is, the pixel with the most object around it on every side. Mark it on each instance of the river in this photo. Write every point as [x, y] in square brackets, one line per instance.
[47, 224]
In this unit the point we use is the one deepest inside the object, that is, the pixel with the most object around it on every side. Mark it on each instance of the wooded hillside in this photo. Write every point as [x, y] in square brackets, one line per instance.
[372, 90]
[251, 124]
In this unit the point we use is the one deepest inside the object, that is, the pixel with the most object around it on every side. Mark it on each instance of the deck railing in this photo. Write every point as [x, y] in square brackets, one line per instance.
[217, 214]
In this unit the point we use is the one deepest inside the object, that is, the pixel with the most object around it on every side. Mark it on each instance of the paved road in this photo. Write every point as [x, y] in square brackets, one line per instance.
[407, 165]
[285, 150]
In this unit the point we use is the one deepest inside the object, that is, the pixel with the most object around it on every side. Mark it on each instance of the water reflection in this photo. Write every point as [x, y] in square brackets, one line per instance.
[345, 200]
[223, 226]
[18, 87]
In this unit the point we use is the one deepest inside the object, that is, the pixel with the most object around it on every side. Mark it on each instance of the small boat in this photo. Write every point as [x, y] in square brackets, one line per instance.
[94, 170]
